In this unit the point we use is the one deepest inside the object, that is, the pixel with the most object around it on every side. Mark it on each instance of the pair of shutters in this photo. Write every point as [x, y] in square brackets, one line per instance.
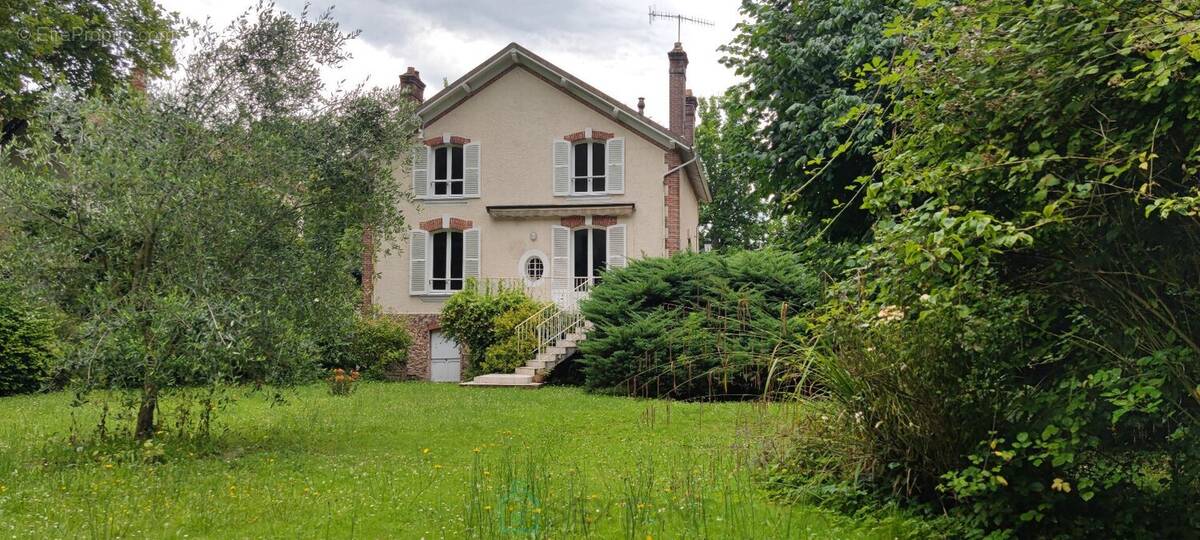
[614, 167]
[560, 254]
[421, 167]
[419, 268]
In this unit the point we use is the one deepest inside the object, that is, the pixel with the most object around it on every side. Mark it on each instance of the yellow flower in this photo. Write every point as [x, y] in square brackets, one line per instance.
[436, 466]
[476, 450]
[424, 450]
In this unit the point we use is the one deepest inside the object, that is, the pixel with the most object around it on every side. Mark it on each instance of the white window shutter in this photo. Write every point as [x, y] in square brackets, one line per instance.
[471, 170]
[615, 166]
[420, 171]
[418, 249]
[560, 258]
[471, 248]
[616, 246]
[562, 168]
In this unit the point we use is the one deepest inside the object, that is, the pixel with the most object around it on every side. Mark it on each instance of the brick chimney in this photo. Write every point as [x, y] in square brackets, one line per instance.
[410, 81]
[689, 117]
[137, 80]
[675, 93]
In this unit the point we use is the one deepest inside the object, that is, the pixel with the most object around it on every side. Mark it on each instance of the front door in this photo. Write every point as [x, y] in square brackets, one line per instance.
[445, 362]
[589, 255]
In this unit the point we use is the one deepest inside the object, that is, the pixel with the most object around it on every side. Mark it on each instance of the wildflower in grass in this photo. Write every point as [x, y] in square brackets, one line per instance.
[424, 450]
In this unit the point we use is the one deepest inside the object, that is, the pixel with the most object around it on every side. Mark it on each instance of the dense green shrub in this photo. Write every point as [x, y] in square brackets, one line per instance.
[378, 347]
[695, 324]
[28, 347]
[508, 351]
[480, 319]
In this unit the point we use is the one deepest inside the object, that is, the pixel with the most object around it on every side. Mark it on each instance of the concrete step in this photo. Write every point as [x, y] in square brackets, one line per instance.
[526, 370]
[530, 385]
[541, 364]
[503, 379]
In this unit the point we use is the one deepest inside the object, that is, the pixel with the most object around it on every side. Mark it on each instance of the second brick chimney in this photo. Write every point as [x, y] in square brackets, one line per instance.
[676, 90]
[689, 117]
[410, 81]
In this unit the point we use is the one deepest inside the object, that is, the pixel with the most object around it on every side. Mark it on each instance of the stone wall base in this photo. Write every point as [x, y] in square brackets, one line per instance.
[419, 327]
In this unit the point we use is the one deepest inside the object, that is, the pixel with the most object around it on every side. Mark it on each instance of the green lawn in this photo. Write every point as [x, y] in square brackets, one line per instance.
[413, 460]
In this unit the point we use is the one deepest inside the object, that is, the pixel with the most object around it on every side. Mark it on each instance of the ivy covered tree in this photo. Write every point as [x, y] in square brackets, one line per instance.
[820, 118]
[90, 45]
[735, 218]
[205, 230]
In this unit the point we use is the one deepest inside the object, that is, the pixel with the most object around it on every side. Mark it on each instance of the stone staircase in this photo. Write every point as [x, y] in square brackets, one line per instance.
[534, 371]
[551, 336]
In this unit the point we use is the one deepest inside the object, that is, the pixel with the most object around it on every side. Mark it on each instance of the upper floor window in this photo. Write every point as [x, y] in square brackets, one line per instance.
[588, 168]
[447, 170]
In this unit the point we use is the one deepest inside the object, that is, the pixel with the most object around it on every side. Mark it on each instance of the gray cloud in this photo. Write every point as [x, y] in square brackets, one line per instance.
[399, 25]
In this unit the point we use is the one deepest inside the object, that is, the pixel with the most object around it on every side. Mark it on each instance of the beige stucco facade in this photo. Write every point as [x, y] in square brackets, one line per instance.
[515, 120]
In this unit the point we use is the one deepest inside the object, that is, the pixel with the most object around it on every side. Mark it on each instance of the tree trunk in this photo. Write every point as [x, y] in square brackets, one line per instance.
[145, 418]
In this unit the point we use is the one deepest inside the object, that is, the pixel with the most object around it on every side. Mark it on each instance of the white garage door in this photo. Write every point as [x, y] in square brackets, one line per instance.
[444, 358]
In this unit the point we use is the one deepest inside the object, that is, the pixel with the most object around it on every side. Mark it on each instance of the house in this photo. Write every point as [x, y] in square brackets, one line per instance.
[530, 177]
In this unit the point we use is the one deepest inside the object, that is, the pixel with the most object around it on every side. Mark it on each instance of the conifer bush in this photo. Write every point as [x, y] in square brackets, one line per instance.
[695, 325]
[28, 346]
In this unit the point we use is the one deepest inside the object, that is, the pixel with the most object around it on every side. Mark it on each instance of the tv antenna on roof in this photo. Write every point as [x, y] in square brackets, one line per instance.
[679, 19]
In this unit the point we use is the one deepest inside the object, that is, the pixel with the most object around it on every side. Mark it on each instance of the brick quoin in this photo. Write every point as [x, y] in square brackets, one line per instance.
[581, 135]
[671, 202]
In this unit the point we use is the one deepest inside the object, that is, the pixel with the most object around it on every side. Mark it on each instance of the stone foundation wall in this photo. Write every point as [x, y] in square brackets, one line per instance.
[419, 368]
[419, 326]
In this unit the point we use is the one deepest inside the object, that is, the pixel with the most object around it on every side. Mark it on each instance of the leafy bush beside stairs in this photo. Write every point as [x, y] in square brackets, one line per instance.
[483, 320]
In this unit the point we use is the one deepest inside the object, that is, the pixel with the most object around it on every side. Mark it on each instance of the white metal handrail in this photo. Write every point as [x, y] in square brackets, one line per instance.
[544, 328]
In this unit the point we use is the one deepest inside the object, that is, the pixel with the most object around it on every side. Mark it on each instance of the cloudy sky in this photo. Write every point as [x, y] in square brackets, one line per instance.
[609, 44]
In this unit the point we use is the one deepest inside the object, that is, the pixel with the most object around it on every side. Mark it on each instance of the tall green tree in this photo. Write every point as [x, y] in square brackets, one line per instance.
[820, 120]
[735, 218]
[90, 45]
[1046, 171]
[205, 231]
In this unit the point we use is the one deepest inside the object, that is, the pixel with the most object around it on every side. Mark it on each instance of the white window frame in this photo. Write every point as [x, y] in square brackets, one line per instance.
[524, 262]
[591, 166]
[431, 191]
[449, 290]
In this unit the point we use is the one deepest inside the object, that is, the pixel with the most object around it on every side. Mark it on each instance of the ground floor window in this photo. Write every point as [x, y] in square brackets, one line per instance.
[447, 261]
[588, 255]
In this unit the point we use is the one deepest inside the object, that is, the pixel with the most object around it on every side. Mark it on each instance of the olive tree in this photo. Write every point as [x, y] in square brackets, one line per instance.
[207, 229]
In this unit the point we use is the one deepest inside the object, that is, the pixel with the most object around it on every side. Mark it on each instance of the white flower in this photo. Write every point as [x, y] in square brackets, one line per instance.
[925, 297]
[890, 313]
